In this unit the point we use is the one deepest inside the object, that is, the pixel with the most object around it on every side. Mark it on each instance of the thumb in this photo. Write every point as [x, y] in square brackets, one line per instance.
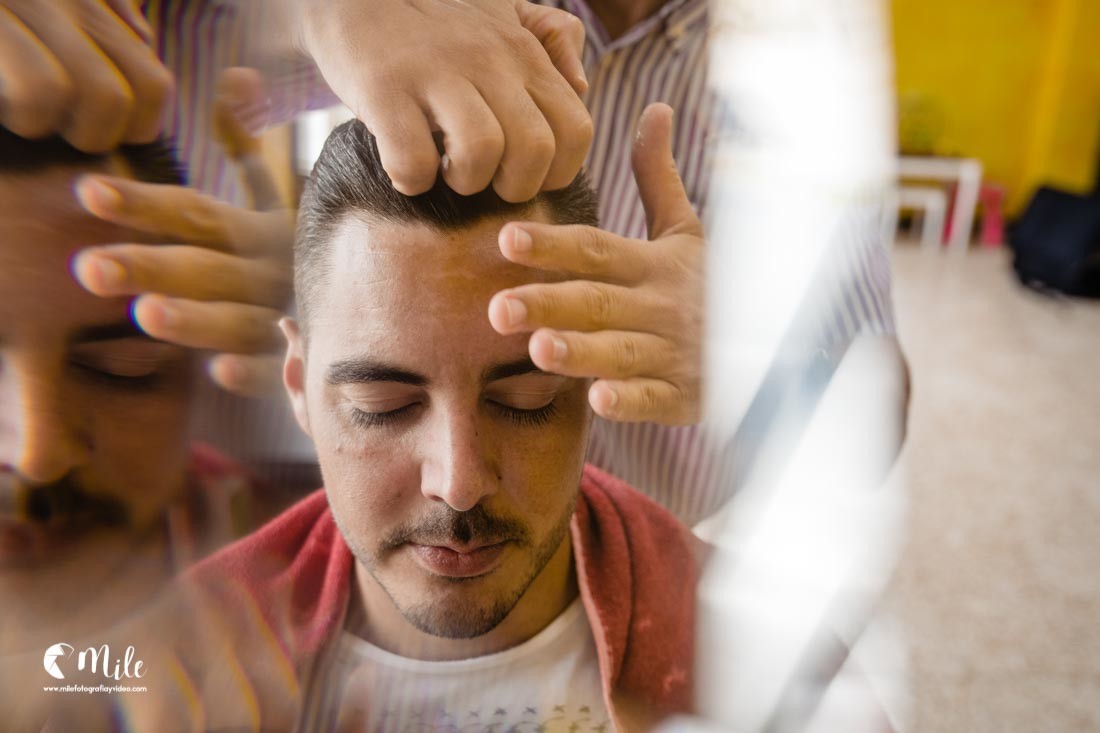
[667, 208]
[562, 36]
[239, 111]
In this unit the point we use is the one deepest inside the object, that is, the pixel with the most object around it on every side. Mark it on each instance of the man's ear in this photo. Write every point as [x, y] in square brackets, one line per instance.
[294, 372]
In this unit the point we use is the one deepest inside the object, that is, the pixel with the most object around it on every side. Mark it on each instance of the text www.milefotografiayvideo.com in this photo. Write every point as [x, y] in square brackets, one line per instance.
[93, 689]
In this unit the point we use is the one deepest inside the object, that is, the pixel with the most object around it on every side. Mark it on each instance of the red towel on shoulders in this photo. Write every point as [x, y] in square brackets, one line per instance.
[637, 568]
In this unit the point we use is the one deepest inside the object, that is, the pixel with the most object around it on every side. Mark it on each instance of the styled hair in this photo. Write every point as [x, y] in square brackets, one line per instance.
[348, 178]
[153, 162]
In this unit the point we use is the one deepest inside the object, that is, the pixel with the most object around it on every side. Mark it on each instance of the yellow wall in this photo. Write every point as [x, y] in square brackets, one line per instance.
[1015, 83]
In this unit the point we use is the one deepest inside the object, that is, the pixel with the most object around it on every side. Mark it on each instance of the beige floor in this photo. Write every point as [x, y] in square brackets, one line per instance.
[998, 587]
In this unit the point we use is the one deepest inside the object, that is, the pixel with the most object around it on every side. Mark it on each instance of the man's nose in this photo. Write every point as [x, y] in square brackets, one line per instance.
[42, 438]
[461, 468]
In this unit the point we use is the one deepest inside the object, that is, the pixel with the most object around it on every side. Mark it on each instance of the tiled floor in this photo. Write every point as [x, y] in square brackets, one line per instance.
[999, 585]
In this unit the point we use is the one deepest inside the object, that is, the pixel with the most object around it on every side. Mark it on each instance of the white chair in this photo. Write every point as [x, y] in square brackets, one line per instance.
[930, 201]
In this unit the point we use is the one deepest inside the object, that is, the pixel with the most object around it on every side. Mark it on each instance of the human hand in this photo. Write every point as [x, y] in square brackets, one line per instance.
[224, 290]
[633, 319]
[241, 90]
[80, 68]
[499, 78]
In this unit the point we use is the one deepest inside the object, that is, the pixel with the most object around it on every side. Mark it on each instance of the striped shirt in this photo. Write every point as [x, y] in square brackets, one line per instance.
[662, 59]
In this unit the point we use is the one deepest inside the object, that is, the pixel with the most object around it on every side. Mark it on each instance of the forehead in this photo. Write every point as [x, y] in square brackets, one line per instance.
[401, 288]
[41, 227]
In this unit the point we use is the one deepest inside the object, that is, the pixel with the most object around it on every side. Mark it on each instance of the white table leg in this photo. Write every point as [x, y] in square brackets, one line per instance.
[966, 202]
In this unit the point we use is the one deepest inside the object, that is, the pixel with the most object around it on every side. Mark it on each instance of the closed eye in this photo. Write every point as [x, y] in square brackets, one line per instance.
[122, 379]
[127, 363]
[526, 417]
[367, 419]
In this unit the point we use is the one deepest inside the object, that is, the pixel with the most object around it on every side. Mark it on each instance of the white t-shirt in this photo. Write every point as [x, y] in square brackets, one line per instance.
[549, 683]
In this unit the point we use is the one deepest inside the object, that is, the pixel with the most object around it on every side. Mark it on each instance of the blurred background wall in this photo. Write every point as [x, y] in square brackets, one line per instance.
[1014, 83]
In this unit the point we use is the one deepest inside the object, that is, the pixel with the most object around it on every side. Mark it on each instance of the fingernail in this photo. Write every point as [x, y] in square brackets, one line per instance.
[521, 240]
[559, 348]
[517, 311]
[612, 398]
[108, 273]
[95, 194]
[157, 310]
[229, 369]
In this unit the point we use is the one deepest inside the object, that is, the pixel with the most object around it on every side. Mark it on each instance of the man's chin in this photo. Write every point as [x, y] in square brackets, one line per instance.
[28, 546]
[33, 547]
[449, 620]
[457, 607]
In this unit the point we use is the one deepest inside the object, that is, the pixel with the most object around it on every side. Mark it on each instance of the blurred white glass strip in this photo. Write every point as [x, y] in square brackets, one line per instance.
[806, 546]
[311, 131]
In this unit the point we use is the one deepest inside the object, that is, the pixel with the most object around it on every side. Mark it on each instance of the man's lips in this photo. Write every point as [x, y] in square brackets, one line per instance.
[24, 542]
[458, 561]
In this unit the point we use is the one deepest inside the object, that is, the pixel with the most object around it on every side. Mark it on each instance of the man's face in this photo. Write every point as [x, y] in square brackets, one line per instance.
[92, 413]
[451, 463]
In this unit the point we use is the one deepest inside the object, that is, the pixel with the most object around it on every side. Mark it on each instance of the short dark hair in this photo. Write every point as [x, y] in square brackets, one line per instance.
[348, 178]
[153, 162]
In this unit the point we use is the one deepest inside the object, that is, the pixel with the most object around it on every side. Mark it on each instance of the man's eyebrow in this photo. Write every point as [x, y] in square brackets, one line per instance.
[109, 332]
[510, 369]
[359, 371]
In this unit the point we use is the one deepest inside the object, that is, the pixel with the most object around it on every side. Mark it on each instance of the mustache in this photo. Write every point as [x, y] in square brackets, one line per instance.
[62, 501]
[447, 525]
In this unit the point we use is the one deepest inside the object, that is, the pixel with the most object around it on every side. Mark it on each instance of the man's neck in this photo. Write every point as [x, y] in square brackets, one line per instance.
[619, 16]
[382, 624]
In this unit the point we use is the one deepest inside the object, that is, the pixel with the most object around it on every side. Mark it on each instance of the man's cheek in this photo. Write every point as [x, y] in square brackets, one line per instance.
[373, 481]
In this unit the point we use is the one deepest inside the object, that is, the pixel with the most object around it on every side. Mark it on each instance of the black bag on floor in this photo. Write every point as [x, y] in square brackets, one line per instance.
[1057, 243]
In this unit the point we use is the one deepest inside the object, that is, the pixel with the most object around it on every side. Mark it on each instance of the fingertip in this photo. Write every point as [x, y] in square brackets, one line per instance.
[413, 186]
[153, 314]
[658, 110]
[655, 125]
[497, 314]
[98, 274]
[502, 311]
[414, 171]
[604, 399]
[516, 240]
[247, 376]
[548, 349]
[557, 180]
[226, 371]
[520, 190]
[97, 197]
[462, 183]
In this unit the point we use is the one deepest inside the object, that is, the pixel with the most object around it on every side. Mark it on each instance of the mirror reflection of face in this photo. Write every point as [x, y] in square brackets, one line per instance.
[451, 463]
[93, 414]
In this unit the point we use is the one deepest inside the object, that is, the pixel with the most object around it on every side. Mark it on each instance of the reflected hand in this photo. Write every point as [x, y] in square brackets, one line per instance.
[633, 319]
[224, 290]
[82, 69]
